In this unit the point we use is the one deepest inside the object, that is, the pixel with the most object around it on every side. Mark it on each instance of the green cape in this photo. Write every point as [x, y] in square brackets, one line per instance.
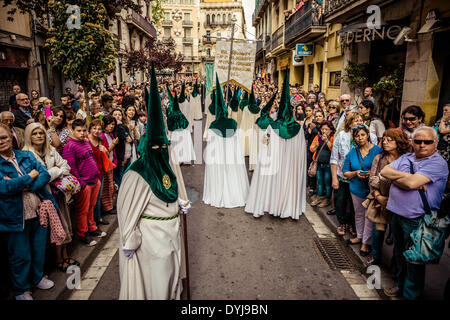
[222, 125]
[176, 119]
[212, 106]
[285, 125]
[182, 97]
[252, 106]
[153, 164]
[265, 119]
[244, 101]
[234, 102]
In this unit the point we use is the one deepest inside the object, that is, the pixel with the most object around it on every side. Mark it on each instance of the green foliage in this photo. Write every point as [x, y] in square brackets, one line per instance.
[356, 75]
[391, 82]
[86, 55]
[157, 10]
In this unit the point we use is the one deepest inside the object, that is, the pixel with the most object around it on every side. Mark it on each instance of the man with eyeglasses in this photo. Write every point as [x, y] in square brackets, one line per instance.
[7, 118]
[405, 203]
[347, 107]
[22, 114]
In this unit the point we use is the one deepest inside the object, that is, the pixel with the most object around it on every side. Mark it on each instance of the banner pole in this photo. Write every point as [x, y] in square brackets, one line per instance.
[229, 63]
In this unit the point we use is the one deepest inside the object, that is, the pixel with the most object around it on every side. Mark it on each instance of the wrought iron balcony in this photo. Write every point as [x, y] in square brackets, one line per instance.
[339, 11]
[303, 25]
[208, 40]
[260, 44]
[268, 43]
[142, 23]
[277, 37]
[260, 5]
[187, 23]
[188, 40]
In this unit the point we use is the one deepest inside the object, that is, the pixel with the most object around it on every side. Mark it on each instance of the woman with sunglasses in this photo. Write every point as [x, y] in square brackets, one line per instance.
[333, 113]
[412, 118]
[357, 165]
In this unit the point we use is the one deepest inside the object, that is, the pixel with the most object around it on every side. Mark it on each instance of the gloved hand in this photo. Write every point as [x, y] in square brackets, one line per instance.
[128, 253]
[185, 205]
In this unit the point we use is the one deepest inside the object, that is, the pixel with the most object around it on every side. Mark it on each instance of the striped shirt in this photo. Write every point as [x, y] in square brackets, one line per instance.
[80, 157]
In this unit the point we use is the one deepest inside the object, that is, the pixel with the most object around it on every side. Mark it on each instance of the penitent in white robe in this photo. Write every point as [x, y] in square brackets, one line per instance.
[249, 136]
[226, 181]
[209, 116]
[182, 145]
[185, 108]
[279, 181]
[196, 107]
[153, 272]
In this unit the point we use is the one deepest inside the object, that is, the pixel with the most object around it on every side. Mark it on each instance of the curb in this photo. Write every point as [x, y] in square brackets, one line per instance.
[83, 254]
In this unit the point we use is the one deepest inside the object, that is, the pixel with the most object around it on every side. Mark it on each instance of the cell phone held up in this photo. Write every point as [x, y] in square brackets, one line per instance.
[48, 112]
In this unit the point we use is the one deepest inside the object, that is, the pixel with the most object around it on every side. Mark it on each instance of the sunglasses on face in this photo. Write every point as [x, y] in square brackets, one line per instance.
[331, 107]
[358, 127]
[347, 100]
[419, 142]
[410, 119]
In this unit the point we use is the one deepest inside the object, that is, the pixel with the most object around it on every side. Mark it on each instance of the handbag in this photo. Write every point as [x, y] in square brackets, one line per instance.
[428, 240]
[312, 170]
[68, 183]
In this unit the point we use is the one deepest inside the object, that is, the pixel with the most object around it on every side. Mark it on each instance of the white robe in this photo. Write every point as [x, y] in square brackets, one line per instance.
[196, 107]
[153, 272]
[279, 180]
[209, 116]
[182, 145]
[186, 110]
[249, 137]
[226, 181]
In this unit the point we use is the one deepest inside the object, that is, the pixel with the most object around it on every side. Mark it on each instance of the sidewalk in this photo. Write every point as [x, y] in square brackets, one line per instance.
[436, 275]
[80, 252]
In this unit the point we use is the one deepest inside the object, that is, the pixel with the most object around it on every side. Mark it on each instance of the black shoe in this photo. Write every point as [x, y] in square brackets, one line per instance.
[112, 211]
[88, 241]
[102, 222]
[364, 253]
[331, 212]
[97, 233]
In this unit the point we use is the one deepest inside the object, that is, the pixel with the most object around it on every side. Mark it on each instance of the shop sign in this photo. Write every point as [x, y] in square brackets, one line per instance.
[303, 49]
[297, 60]
[368, 34]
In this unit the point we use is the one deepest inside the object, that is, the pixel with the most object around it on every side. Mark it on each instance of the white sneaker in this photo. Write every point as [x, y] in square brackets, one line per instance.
[24, 296]
[45, 284]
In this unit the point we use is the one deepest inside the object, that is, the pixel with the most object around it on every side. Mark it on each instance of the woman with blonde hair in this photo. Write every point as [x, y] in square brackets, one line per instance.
[37, 142]
[83, 111]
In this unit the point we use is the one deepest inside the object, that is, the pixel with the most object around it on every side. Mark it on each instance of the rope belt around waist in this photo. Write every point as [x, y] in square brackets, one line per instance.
[159, 218]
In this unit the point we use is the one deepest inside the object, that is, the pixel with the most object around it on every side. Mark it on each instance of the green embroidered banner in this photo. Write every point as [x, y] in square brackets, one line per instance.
[209, 70]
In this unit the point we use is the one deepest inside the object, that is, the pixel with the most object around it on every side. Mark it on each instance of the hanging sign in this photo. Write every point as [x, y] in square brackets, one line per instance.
[303, 49]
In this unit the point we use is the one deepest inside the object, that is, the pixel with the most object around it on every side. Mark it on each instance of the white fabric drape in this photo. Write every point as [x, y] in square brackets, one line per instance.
[279, 180]
[226, 181]
[196, 107]
[249, 137]
[183, 147]
[153, 272]
[185, 108]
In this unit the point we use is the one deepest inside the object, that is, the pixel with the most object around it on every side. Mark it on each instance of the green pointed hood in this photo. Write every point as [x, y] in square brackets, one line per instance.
[234, 102]
[169, 95]
[265, 119]
[212, 105]
[244, 101]
[252, 106]
[182, 97]
[222, 125]
[195, 92]
[153, 164]
[285, 125]
[176, 119]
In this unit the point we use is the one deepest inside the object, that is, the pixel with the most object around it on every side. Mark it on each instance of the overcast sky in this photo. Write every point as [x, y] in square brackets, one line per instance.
[249, 6]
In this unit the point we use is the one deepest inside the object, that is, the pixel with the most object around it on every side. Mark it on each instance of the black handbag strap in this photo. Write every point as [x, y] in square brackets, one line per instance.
[421, 192]
[323, 145]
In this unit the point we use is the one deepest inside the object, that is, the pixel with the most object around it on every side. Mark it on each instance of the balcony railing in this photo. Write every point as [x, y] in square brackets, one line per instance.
[277, 37]
[334, 5]
[300, 21]
[188, 40]
[142, 23]
[208, 40]
[216, 24]
[187, 23]
[260, 44]
[257, 9]
[268, 43]
[167, 22]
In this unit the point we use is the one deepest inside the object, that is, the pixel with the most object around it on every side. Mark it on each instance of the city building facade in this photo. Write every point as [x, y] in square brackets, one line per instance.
[181, 23]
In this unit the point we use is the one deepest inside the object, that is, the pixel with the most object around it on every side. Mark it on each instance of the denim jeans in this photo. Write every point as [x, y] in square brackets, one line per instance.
[342, 199]
[98, 204]
[410, 277]
[26, 252]
[377, 242]
[323, 180]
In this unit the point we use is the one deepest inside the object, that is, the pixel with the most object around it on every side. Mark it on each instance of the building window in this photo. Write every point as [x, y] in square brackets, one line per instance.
[187, 51]
[218, 19]
[187, 32]
[218, 33]
[224, 18]
[335, 79]
[187, 16]
[213, 19]
[166, 32]
[208, 22]
[166, 15]
[229, 18]
[208, 52]
[311, 73]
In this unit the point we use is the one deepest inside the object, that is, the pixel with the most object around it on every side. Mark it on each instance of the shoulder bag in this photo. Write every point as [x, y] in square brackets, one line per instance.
[428, 240]
[312, 170]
